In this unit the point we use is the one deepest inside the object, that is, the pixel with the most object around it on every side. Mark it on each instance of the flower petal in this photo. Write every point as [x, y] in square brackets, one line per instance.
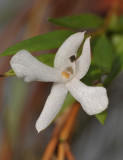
[93, 99]
[30, 69]
[52, 106]
[68, 49]
[83, 63]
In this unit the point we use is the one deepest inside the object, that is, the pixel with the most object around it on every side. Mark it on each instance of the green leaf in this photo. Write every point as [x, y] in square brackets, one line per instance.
[117, 67]
[93, 75]
[120, 23]
[116, 23]
[47, 59]
[9, 73]
[101, 116]
[117, 41]
[85, 20]
[46, 41]
[103, 53]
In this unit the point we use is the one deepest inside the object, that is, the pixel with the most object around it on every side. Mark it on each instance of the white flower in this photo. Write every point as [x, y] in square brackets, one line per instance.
[66, 76]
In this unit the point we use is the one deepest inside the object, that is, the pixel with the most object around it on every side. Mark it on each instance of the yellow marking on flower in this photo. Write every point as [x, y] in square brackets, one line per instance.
[65, 74]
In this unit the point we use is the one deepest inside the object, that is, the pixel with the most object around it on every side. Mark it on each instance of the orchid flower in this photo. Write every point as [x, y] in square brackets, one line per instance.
[66, 75]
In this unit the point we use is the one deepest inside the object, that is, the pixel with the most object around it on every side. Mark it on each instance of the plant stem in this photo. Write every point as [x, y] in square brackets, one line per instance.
[68, 152]
[69, 123]
[61, 151]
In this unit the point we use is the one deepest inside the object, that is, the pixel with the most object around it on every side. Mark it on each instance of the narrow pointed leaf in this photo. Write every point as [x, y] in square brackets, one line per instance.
[117, 65]
[85, 20]
[103, 53]
[101, 117]
[117, 41]
[47, 59]
[116, 23]
[9, 73]
[46, 41]
[93, 75]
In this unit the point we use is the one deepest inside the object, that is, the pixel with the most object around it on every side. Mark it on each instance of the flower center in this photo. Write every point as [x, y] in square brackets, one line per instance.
[65, 74]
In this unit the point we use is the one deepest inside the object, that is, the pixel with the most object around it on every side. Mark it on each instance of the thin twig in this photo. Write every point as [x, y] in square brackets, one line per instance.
[69, 123]
[61, 151]
[65, 133]
[50, 149]
[68, 152]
